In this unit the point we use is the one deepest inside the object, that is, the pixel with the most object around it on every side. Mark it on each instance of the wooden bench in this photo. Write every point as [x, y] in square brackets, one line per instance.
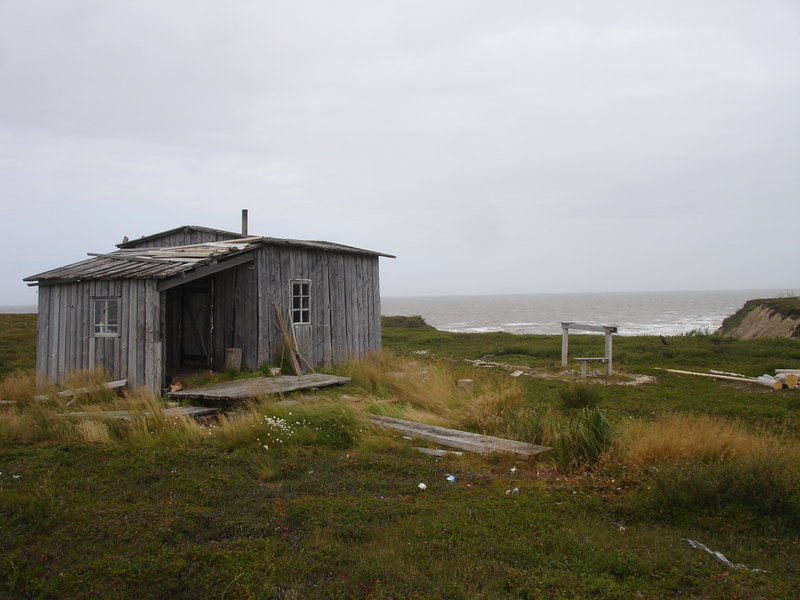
[608, 330]
[583, 362]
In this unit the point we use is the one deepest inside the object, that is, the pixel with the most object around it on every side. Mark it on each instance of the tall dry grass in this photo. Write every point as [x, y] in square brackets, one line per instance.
[428, 392]
[672, 438]
[698, 462]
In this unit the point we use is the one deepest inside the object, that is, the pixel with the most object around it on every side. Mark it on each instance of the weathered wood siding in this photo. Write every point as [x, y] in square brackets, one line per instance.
[345, 302]
[179, 238]
[345, 317]
[66, 341]
[235, 315]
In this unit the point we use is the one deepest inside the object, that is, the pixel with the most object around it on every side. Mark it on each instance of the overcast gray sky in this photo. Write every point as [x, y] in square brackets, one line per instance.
[495, 147]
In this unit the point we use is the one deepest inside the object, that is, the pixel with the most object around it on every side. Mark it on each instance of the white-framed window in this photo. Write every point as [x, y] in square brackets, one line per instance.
[106, 317]
[301, 301]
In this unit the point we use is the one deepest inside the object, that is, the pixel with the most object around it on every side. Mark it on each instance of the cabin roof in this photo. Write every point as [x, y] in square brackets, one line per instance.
[161, 263]
[184, 228]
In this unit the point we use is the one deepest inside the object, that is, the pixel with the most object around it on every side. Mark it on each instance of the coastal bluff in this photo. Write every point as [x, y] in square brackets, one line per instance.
[764, 318]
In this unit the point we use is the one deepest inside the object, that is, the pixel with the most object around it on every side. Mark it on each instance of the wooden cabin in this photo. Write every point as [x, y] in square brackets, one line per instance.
[176, 300]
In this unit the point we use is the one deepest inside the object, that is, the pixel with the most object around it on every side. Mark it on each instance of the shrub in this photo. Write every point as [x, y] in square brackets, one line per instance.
[583, 438]
[579, 396]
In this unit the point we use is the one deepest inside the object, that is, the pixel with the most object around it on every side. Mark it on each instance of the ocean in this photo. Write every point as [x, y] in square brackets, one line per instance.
[636, 313]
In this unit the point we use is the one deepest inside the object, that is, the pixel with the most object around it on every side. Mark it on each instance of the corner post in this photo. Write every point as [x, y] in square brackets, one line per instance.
[608, 350]
[564, 342]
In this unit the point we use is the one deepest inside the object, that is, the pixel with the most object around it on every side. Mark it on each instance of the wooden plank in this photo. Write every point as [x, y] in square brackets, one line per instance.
[124, 318]
[324, 301]
[262, 304]
[351, 305]
[711, 375]
[127, 415]
[376, 304]
[598, 328]
[111, 385]
[243, 389]
[453, 438]
[60, 299]
[42, 333]
[338, 318]
[131, 327]
[205, 271]
[764, 380]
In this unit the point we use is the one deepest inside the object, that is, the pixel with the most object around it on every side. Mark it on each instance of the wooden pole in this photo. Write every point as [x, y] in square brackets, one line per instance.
[564, 342]
[608, 352]
[764, 380]
[287, 341]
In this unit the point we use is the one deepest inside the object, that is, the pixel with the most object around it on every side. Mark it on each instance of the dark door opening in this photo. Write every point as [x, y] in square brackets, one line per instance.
[196, 326]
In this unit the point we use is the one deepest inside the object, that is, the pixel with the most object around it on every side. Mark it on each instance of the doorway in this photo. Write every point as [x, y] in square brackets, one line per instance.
[190, 326]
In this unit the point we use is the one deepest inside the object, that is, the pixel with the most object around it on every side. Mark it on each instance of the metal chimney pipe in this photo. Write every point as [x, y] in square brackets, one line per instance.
[244, 222]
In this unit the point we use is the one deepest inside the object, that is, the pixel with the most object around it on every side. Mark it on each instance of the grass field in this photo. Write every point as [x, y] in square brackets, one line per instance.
[311, 502]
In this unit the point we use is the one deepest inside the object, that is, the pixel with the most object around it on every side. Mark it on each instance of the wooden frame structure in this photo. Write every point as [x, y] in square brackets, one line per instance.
[608, 330]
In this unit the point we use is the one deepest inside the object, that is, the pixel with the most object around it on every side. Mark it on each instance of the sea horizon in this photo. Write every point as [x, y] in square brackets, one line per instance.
[667, 312]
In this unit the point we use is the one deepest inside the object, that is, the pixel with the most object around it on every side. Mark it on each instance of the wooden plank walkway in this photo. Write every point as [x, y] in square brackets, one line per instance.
[453, 438]
[242, 389]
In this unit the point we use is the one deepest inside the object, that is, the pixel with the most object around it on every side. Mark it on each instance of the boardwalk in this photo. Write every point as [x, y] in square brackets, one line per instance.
[243, 389]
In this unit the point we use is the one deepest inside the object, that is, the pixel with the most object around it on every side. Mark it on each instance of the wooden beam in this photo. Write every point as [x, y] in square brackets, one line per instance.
[453, 438]
[598, 328]
[764, 380]
[204, 271]
[564, 343]
[158, 261]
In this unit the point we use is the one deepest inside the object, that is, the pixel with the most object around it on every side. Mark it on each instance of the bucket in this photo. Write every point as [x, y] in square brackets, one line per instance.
[233, 359]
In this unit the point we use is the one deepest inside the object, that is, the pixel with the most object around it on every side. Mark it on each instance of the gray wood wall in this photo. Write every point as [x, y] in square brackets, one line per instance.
[345, 302]
[66, 341]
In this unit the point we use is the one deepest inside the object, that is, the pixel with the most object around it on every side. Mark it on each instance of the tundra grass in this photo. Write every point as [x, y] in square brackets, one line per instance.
[17, 343]
[309, 502]
[82, 520]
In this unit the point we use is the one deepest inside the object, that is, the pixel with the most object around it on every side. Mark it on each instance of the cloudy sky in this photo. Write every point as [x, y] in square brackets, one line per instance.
[494, 147]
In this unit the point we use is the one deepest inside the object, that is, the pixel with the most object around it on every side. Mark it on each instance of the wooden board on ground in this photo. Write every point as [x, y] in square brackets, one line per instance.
[127, 415]
[243, 389]
[453, 438]
[111, 385]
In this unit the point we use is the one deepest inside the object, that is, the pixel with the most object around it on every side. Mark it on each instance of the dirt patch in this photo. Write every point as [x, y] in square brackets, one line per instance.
[594, 377]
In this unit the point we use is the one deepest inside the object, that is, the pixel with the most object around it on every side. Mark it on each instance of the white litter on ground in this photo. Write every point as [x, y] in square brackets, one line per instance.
[720, 556]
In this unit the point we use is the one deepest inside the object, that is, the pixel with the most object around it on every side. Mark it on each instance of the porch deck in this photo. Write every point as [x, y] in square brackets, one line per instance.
[243, 389]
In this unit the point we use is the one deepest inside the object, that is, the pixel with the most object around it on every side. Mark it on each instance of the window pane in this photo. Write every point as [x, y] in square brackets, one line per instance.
[106, 316]
[112, 310]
